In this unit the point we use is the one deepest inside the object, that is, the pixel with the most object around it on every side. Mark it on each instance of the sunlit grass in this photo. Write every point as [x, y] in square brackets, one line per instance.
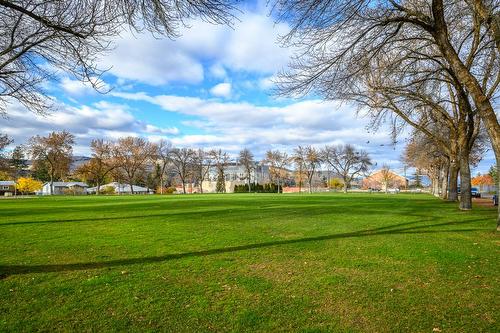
[325, 262]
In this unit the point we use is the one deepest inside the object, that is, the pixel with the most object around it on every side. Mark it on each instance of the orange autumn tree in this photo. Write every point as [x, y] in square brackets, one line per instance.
[482, 180]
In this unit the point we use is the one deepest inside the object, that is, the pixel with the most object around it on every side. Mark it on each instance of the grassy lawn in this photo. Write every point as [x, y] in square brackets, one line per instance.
[309, 263]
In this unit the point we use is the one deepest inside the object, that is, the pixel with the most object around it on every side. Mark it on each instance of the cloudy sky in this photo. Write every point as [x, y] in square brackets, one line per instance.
[212, 87]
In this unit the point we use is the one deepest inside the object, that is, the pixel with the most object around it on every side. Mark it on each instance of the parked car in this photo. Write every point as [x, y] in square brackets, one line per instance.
[473, 191]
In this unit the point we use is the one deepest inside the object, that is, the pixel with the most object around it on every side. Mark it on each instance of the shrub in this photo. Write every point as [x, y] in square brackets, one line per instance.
[258, 188]
[170, 190]
[106, 190]
[74, 190]
[336, 184]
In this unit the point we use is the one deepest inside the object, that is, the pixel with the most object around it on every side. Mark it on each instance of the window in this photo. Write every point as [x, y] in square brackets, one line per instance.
[5, 187]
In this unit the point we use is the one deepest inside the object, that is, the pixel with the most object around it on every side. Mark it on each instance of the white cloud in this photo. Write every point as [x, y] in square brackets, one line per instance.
[74, 87]
[231, 126]
[152, 61]
[157, 130]
[218, 71]
[221, 90]
[86, 122]
[266, 83]
[251, 46]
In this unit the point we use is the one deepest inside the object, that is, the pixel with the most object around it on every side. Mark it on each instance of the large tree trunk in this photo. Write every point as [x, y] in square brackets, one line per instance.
[444, 182]
[434, 185]
[98, 188]
[161, 184]
[453, 182]
[498, 189]
[482, 102]
[184, 187]
[465, 185]
[131, 188]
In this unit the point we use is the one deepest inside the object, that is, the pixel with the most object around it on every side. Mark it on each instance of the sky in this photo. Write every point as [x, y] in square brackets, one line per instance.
[210, 88]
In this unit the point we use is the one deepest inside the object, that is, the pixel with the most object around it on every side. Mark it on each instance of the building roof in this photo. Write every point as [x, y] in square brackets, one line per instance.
[67, 184]
[7, 183]
[120, 187]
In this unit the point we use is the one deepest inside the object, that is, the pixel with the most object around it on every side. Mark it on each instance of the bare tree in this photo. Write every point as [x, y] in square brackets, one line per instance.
[40, 38]
[181, 163]
[246, 159]
[386, 177]
[339, 39]
[100, 165]
[347, 162]
[298, 159]
[311, 159]
[53, 152]
[201, 164]
[131, 155]
[220, 160]
[163, 155]
[277, 165]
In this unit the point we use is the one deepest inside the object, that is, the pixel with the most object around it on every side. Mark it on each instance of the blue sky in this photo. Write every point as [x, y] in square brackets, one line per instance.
[211, 87]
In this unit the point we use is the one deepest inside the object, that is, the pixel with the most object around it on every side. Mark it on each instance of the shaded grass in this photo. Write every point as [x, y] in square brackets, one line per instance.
[325, 262]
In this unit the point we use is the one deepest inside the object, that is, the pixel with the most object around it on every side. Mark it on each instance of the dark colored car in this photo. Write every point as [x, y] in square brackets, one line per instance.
[473, 191]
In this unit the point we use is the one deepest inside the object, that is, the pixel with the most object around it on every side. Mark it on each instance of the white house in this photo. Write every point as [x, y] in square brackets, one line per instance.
[64, 188]
[122, 188]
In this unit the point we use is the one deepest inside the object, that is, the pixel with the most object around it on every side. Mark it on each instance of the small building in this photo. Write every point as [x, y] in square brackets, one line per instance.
[60, 188]
[7, 187]
[385, 182]
[119, 188]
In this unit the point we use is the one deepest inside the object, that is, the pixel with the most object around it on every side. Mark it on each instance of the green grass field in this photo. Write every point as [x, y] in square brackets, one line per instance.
[200, 263]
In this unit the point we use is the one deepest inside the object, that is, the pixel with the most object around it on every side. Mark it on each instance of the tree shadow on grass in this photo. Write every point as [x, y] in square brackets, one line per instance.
[397, 229]
[305, 210]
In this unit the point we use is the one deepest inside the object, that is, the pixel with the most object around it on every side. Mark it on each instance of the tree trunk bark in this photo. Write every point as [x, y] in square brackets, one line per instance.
[434, 183]
[465, 185]
[498, 189]
[131, 188]
[98, 188]
[453, 182]
[444, 183]
[482, 102]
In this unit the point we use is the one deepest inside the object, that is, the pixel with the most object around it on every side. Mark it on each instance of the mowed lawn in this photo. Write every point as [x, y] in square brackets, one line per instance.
[248, 262]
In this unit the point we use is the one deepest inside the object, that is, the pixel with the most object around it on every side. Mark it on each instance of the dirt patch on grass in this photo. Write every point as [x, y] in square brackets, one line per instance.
[483, 202]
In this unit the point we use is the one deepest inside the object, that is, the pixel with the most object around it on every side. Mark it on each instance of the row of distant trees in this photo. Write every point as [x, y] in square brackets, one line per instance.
[135, 160]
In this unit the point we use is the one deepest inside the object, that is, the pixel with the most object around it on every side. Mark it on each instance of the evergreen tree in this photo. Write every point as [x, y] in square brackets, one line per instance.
[493, 173]
[418, 179]
[17, 162]
[221, 182]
